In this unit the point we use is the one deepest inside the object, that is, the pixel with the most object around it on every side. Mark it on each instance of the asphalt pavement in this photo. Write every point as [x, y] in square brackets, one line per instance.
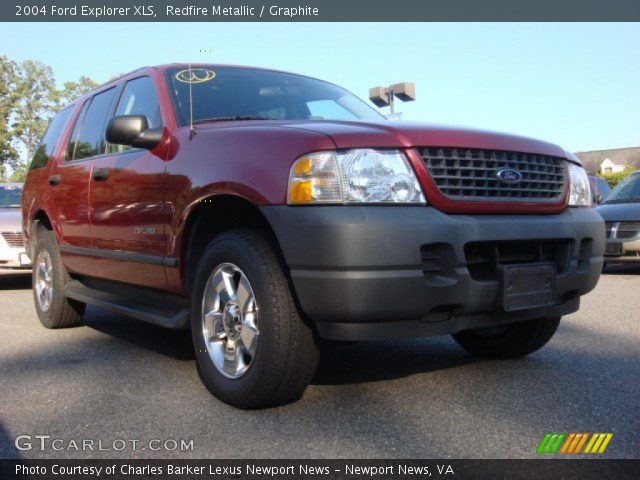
[116, 381]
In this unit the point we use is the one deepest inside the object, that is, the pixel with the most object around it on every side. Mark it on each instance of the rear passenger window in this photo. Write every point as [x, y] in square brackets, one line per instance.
[87, 139]
[50, 139]
[138, 98]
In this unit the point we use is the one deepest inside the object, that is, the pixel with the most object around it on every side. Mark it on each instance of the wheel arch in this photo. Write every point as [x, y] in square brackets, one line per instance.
[213, 215]
[39, 217]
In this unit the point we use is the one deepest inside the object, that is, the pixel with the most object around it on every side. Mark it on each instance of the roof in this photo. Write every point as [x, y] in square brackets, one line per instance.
[178, 65]
[620, 156]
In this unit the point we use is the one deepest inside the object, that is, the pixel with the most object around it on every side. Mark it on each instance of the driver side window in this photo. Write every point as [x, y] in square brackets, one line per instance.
[138, 98]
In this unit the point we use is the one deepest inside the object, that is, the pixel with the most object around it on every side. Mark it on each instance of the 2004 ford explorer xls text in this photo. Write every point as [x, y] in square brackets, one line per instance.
[267, 211]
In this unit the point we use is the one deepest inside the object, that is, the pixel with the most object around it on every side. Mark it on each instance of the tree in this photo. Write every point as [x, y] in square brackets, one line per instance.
[28, 100]
[8, 100]
[19, 173]
[35, 105]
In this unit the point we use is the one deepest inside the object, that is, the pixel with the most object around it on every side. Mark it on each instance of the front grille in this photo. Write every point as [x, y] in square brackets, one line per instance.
[14, 239]
[608, 226]
[484, 259]
[627, 229]
[471, 174]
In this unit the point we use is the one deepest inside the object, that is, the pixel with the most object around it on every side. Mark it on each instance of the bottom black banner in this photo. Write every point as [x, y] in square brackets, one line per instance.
[327, 469]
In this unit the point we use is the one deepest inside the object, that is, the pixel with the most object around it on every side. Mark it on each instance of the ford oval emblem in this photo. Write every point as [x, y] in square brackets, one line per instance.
[509, 175]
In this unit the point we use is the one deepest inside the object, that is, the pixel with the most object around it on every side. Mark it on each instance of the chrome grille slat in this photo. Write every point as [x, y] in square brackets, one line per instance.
[14, 239]
[629, 226]
[470, 174]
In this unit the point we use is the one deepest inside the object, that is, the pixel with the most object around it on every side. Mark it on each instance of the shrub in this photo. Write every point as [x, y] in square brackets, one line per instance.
[614, 178]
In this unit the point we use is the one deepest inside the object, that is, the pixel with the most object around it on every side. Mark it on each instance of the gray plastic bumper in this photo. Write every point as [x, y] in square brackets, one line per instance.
[368, 272]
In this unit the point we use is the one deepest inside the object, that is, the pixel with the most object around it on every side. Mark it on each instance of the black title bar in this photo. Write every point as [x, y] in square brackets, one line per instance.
[317, 10]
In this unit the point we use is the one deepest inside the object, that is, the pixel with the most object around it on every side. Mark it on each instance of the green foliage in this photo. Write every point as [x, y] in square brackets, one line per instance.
[35, 106]
[8, 100]
[73, 90]
[28, 101]
[19, 173]
[614, 178]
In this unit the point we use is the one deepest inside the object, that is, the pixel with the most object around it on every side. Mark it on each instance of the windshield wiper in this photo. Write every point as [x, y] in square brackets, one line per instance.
[232, 118]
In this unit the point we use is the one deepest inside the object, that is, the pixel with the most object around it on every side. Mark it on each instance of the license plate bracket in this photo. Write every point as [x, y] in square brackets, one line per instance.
[527, 286]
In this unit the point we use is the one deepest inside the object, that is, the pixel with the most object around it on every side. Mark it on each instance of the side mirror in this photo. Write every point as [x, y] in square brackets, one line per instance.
[599, 199]
[133, 131]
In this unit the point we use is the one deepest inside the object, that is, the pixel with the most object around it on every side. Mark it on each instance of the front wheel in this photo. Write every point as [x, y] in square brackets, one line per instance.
[508, 341]
[252, 347]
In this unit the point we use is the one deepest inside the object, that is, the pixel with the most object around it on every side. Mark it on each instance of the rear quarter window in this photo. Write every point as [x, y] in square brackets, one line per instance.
[50, 139]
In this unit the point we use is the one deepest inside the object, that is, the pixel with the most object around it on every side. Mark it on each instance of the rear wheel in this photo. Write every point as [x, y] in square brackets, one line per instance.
[508, 341]
[49, 277]
[252, 347]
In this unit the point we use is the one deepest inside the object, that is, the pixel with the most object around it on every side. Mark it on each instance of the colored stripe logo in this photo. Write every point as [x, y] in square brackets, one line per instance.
[573, 443]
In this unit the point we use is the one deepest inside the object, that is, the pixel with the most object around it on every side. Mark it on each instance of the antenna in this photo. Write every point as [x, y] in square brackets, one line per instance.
[192, 132]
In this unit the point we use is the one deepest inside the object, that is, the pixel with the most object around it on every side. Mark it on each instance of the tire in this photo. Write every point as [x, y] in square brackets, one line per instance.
[508, 341]
[284, 356]
[48, 270]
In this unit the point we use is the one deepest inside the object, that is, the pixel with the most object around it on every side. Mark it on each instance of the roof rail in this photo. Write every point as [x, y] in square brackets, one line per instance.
[120, 76]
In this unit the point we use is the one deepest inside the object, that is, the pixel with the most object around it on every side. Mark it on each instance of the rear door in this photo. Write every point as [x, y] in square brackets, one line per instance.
[127, 212]
[70, 182]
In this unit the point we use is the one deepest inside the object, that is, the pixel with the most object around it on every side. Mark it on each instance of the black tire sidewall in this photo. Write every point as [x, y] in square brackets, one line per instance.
[45, 240]
[228, 249]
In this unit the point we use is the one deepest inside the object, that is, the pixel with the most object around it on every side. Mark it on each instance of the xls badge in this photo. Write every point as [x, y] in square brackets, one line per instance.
[195, 75]
[145, 230]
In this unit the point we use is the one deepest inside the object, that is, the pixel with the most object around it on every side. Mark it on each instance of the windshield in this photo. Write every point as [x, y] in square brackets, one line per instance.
[233, 93]
[10, 195]
[628, 190]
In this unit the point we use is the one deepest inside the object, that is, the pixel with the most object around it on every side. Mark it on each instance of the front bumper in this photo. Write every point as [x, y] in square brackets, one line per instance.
[375, 272]
[620, 250]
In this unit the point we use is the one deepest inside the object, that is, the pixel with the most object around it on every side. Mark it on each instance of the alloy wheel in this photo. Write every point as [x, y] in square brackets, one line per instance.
[230, 320]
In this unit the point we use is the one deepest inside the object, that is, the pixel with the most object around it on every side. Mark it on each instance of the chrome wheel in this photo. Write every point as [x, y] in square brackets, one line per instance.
[44, 280]
[229, 320]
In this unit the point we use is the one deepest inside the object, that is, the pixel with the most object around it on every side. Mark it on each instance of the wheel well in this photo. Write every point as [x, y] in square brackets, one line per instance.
[215, 215]
[42, 218]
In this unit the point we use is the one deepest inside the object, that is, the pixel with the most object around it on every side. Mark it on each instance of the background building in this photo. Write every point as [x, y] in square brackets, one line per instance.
[610, 161]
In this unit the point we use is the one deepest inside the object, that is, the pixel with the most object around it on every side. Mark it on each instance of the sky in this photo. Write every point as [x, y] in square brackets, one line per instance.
[577, 85]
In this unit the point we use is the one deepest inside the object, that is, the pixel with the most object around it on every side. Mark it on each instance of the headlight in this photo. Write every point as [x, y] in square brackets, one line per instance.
[579, 191]
[354, 176]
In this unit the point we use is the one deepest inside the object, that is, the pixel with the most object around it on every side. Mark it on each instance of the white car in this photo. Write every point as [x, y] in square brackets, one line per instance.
[12, 252]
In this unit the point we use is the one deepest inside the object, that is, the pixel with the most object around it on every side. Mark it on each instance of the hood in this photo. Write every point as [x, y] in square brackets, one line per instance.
[354, 134]
[616, 212]
[10, 220]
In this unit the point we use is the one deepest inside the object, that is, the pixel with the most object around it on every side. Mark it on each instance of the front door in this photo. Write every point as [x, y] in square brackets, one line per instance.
[127, 205]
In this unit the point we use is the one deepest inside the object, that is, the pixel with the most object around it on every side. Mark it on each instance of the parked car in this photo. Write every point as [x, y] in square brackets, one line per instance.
[266, 210]
[599, 189]
[12, 252]
[621, 212]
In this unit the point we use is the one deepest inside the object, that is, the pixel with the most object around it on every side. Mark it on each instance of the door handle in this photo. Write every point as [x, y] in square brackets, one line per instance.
[100, 174]
[54, 180]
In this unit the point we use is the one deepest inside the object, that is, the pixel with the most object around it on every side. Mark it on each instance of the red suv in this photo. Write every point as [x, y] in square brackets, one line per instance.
[267, 210]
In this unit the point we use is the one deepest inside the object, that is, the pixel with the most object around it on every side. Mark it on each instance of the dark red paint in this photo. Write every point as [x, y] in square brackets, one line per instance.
[250, 159]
